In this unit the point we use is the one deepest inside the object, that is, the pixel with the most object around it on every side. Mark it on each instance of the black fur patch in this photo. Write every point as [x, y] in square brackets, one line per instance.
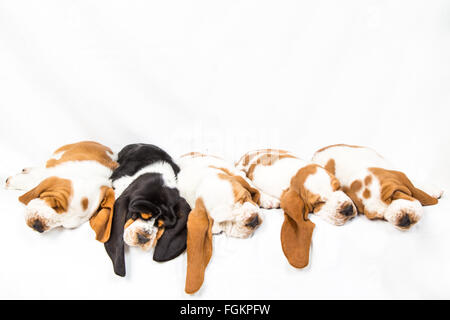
[147, 194]
[134, 157]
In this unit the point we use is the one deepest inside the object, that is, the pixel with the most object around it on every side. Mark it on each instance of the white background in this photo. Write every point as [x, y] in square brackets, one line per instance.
[225, 77]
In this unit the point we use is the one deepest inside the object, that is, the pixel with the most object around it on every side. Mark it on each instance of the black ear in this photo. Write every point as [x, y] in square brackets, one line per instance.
[173, 241]
[115, 246]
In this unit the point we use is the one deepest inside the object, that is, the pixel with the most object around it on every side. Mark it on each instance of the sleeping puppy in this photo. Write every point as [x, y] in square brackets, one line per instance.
[222, 201]
[302, 187]
[378, 191]
[72, 188]
[149, 212]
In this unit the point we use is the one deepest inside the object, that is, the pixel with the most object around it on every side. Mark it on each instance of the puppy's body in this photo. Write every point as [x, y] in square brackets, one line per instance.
[70, 189]
[222, 201]
[378, 190]
[272, 171]
[149, 212]
[301, 187]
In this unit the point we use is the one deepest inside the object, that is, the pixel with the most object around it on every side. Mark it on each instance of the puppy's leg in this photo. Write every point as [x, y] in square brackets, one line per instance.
[26, 180]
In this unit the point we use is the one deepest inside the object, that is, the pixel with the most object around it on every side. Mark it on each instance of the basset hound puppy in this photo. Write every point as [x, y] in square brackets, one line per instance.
[70, 189]
[302, 187]
[376, 188]
[149, 212]
[223, 201]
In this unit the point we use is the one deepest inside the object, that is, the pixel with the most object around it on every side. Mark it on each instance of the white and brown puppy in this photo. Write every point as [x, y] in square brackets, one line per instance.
[70, 189]
[222, 201]
[378, 191]
[302, 187]
[149, 212]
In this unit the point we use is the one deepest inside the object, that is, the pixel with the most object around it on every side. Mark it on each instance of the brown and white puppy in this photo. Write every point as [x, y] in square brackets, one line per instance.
[70, 189]
[379, 191]
[222, 201]
[302, 187]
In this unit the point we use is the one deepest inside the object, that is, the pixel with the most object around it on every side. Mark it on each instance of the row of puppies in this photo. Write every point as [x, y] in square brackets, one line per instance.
[142, 198]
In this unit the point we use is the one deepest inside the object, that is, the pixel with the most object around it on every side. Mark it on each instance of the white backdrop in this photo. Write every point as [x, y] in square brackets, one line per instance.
[224, 77]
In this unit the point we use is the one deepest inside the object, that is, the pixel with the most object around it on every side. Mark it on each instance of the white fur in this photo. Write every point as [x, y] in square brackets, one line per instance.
[352, 164]
[86, 177]
[198, 180]
[161, 167]
[274, 179]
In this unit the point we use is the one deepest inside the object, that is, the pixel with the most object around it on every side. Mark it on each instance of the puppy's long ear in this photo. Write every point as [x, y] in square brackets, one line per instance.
[115, 246]
[256, 196]
[199, 246]
[173, 241]
[55, 191]
[297, 229]
[101, 221]
[396, 185]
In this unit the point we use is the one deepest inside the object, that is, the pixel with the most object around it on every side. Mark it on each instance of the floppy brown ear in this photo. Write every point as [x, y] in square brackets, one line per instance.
[396, 185]
[424, 198]
[199, 246]
[256, 196]
[54, 191]
[101, 221]
[296, 231]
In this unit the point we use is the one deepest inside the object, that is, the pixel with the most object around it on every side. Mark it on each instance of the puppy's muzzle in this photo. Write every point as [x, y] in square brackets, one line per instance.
[347, 210]
[37, 225]
[405, 221]
[143, 238]
[253, 222]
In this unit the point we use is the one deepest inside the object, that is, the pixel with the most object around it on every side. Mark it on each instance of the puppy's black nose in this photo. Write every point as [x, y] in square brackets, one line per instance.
[38, 226]
[142, 239]
[253, 221]
[405, 221]
[347, 211]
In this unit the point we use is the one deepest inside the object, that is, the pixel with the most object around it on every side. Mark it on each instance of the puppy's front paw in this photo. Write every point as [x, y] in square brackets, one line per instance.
[269, 202]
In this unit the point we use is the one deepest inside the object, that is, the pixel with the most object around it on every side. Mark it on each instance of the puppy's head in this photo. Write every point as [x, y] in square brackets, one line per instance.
[52, 204]
[321, 194]
[148, 215]
[47, 204]
[404, 201]
[241, 216]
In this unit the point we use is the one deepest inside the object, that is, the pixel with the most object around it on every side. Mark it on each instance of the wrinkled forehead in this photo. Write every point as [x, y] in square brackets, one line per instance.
[321, 182]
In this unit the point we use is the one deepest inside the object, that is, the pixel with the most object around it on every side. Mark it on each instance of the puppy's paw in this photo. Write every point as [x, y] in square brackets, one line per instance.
[269, 202]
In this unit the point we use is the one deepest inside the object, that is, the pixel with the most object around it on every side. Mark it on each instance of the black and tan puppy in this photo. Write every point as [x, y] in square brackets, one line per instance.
[149, 211]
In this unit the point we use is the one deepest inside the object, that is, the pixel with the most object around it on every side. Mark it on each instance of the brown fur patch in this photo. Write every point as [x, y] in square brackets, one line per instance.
[331, 166]
[128, 223]
[56, 192]
[199, 246]
[366, 193]
[297, 229]
[267, 159]
[368, 180]
[356, 186]
[242, 191]
[101, 221]
[83, 151]
[247, 158]
[85, 203]
[396, 185]
[297, 185]
[338, 145]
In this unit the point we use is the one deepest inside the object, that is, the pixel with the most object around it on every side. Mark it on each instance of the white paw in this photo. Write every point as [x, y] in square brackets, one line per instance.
[269, 202]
